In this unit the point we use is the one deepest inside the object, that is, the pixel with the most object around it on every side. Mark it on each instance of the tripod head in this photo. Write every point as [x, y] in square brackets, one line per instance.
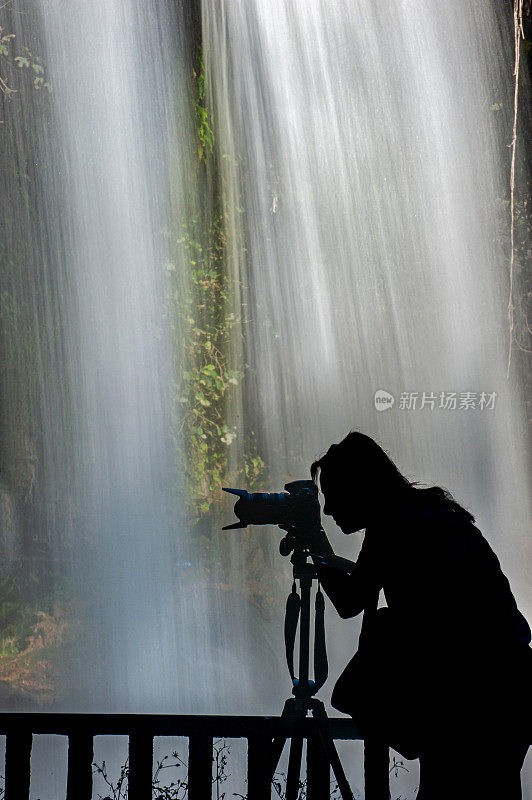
[301, 567]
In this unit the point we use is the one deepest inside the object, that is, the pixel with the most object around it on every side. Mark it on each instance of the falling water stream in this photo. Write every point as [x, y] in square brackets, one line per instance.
[363, 163]
[373, 167]
[109, 170]
[373, 161]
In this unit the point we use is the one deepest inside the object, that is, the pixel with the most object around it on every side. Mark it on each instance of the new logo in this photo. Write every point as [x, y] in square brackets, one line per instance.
[383, 400]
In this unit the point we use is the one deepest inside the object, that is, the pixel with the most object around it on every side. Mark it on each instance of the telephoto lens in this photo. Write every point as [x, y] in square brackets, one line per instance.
[298, 506]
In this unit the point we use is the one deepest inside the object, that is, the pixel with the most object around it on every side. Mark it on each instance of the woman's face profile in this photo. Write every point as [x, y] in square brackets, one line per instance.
[343, 504]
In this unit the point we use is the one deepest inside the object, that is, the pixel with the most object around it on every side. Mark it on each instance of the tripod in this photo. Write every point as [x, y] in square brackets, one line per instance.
[297, 708]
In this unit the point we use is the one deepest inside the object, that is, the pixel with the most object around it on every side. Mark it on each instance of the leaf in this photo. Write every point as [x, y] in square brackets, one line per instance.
[22, 61]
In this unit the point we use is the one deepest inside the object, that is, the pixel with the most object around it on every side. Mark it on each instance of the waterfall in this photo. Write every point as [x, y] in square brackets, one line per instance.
[113, 154]
[107, 187]
[360, 153]
[373, 163]
[372, 139]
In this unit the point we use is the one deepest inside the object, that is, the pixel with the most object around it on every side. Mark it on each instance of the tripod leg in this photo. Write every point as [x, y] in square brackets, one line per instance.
[277, 748]
[294, 768]
[322, 722]
[336, 764]
[292, 712]
[318, 770]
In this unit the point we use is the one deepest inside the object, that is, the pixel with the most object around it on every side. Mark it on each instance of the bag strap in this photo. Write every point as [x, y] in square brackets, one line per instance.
[321, 665]
[293, 609]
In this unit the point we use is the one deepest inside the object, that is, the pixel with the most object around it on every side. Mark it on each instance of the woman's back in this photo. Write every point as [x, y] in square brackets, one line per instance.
[438, 571]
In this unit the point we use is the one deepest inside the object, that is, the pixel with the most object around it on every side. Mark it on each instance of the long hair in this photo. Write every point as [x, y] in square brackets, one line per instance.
[358, 453]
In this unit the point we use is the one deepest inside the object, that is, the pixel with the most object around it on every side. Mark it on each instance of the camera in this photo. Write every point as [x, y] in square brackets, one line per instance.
[296, 508]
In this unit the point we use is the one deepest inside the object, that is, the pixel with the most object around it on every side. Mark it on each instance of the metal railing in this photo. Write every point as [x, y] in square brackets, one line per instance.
[201, 732]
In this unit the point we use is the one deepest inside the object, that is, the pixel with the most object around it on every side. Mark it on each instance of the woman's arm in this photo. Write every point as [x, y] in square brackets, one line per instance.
[351, 586]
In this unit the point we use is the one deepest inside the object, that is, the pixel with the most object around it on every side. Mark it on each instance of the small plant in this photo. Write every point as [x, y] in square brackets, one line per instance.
[118, 790]
[26, 61]
[34, 65]
[176, 789]
[6, 40]
[219, 759]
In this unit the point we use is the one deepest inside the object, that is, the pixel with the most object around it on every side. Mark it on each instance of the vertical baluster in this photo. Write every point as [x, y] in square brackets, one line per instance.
[80, 758]
[376, 770]
[318, 770]
[140, 765]
[199, 767]
[18, 766]
[259, 767]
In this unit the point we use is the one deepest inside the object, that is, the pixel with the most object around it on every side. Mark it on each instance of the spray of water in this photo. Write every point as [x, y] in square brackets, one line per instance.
[373, 166]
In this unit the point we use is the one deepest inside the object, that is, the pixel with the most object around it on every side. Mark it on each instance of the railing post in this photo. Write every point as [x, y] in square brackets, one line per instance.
[259, 767]
[80, 758]
[318, 770]
[376, 770]
[18, 765]
[140, 778]
[199, 766]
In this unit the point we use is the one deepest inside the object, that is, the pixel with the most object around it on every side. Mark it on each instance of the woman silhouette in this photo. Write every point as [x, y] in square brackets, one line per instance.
[443, 672]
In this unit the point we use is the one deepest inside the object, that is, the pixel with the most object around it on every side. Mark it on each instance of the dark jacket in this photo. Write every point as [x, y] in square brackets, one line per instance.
[451, 653]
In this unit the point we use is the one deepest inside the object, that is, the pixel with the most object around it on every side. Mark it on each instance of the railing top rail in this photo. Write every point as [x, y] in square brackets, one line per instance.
[219, 726]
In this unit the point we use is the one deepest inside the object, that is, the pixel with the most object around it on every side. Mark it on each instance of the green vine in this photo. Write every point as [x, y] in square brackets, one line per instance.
[204, 131]
[35, 67]
[208, 378]
[207, 319]
[26, 61]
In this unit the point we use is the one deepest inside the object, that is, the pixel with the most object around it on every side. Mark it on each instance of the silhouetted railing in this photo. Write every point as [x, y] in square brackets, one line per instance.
[200, 731]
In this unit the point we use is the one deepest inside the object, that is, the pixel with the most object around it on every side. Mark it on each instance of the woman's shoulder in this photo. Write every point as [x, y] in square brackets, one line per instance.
[421, 510]
[443, 525]
[448, 536]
